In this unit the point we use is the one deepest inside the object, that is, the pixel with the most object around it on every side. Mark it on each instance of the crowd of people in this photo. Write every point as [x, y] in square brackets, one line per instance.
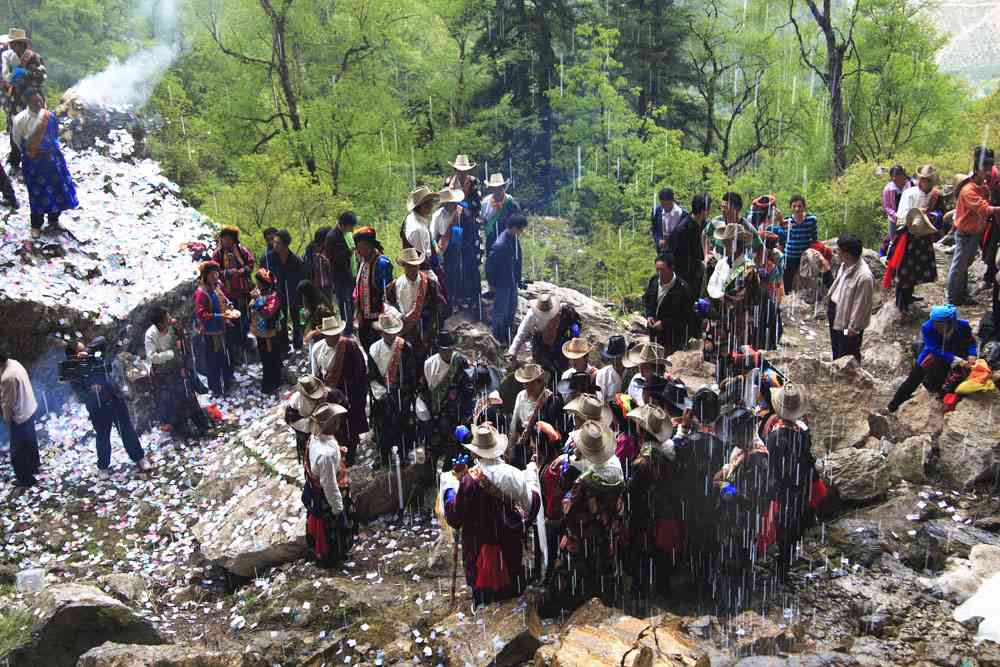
[592, 480]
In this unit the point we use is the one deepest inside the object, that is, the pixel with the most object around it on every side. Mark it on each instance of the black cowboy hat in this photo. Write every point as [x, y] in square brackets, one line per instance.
[676, 394]
[616, 347]
[484, 378]
[578, 382]
[738, 427]
[706, 405]
[447, 339]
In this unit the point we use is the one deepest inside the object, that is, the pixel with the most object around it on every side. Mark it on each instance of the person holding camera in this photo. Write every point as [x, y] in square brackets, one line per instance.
[172, 378]
[105, 405]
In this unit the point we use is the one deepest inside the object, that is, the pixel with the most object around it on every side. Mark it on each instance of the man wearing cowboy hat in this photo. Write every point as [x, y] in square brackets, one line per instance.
[265, 309]
[651, 360]
[655, 523]
[792, 466]
[548, 324]
[236, 271]
[374, 276]
[535, 403]
[503, 273]
[669, 305]
[309, 394]
[593, 524]
[417, 295]
[468, 295]
[610, 377]
[394, 373]
[415, 232]
[214, 313]
[339, 361]
[448, 396]
[498, 208]
[22, 70]
[329, 526]
[911, 261]
[492, 503]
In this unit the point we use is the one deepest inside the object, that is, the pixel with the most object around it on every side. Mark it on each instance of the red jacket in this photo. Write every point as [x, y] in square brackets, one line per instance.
[237, 268]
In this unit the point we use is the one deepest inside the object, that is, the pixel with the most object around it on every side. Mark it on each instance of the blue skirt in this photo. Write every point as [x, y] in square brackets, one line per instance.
[50, 187]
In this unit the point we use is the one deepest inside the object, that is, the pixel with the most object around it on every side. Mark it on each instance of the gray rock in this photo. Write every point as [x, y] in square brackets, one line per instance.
[859, 475]
[969, 447]
[71, 619]
[512, 630]
[125, 587]
[131, 655]
[907, 459]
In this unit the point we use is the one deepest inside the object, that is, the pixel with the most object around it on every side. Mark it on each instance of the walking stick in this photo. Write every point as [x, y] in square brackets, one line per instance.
[454, 566]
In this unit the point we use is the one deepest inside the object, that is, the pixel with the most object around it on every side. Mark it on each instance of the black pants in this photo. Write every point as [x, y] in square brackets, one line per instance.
[270, 351]
[177, 403]
[904, 298]
[932, 378]
[842, 344]
[38, 218]
[7, 188]
[108, 411]
[791, 270]
[219, 368]
[990, 253]
[24, 457]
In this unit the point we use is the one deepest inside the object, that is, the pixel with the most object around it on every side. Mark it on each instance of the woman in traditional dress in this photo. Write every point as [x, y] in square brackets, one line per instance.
[50, 186]
[265, 309]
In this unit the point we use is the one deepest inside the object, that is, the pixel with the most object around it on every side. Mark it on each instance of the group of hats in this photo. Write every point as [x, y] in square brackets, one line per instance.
[453, 195]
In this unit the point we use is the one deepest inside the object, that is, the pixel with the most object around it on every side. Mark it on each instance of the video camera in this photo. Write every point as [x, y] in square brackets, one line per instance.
[92, 369]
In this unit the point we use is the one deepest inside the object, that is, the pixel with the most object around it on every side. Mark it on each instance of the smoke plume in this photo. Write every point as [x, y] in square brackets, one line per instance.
[130, 83]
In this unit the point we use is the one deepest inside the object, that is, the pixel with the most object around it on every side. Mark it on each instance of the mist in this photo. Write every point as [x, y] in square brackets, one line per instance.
[130, 83]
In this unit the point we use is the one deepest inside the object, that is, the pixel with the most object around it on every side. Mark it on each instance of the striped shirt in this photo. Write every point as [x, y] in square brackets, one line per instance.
[800, 236]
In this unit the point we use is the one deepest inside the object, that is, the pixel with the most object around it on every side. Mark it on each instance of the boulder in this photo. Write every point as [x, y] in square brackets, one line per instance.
[969, 447]
[630, 641]
[126, 587]
[689, 366]
[379, 494]
[859, 475]
[922, 414]
[907, 459]
[885, 358]
[131, 655]
[591, 612]
[71, 619]
[503, 635]
[756, 635]
[256, 519]
[884, 322]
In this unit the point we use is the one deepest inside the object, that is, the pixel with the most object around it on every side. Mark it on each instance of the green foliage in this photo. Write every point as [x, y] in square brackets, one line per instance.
[15, 629]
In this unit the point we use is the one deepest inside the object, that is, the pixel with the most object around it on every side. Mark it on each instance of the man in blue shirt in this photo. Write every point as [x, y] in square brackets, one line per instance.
[802, 232]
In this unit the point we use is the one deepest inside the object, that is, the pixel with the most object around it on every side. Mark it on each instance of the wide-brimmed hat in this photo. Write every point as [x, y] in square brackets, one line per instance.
[419, 196]
[590, 407]
[956, 182]
[17, 35]
[617, 346]
[332, 326]
[451, 196]
[646, 353]
[324, 415]
[312, 387]
[496, 181]
[389, 322]
[528, 373]
[546, 306]
[929, 172]
[411, 257]
[676, 394]
[654, 420]
[577, 382]
[484, 378]
[446, 339]
[462, 163]
[731, 232]
[789, 401]
[918, 224]
[486, 442]
[576, 348]
[706, 405]
[595, 442]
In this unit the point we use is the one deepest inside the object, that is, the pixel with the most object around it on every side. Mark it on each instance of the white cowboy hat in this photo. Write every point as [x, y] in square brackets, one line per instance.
[451, 196]
[918, 224]
[312, 387]
[546, 307]
[332, 326]
[325, 414]
[731, 232]
[462, 163]
[789, 402]
[486, 442]
[654, 420]
[646, 353]
[595, 442]
[590, 408]
[410, 256]
[576, 348]
[419, 196]
[528, 373]
[496, 182]
[389, 322]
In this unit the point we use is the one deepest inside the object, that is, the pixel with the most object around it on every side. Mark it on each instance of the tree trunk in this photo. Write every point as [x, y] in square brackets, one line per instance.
[835, 69]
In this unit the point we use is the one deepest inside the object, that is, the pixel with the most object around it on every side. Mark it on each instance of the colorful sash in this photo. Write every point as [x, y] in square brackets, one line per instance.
[336, 371]
[392, 372]
[491, 222]
[413, 317]
[365, 289]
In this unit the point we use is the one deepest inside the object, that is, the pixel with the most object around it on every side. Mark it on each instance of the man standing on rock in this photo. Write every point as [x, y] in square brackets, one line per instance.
[309, 395]
[340, 363]
[448, 387]
[289, 270]
[17, 401]
[669, 306]
[850, 299]
[374, 275]
[503, 273]
[394, 373]
[972, 211]
[417, 295]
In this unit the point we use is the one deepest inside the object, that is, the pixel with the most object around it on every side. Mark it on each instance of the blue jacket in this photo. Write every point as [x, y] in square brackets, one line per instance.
[961, 342]
[503, 264]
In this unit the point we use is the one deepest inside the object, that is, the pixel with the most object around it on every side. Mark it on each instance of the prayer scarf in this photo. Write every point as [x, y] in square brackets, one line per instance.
[392, 372]
[335, 373]
[413, 317]
[493, 220]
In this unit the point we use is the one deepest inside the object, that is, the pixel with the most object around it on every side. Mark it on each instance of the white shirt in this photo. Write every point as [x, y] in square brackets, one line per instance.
[609, 382]
[305, 406]
[17, 398]
[25, 124]
[518, 485]
[159, 346]
[635, 388]
[416, 232]
[11, 61]
[913, 197]
[406, 291]
[662, 290]
[435, 370]
[524, 409]
[531, 323]
[322, 356]
[441, 223]
[670, 219]
[324, 461]
[381, 354]
[610, 471]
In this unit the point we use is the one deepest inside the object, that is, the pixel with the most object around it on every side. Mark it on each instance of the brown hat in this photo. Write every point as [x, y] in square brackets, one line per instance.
[486, 442]
[654, 420]
[324, 415]
[312, 387]
[789, 401]
[419, 196]
[410, 256]
[462, 163]
[646, 353]
[207, 267]
[528, 373]
[575, 348]
[731, 232]
[229, 230]
[17, 35]
[590, 407]
[929, 172]
[595, 442]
